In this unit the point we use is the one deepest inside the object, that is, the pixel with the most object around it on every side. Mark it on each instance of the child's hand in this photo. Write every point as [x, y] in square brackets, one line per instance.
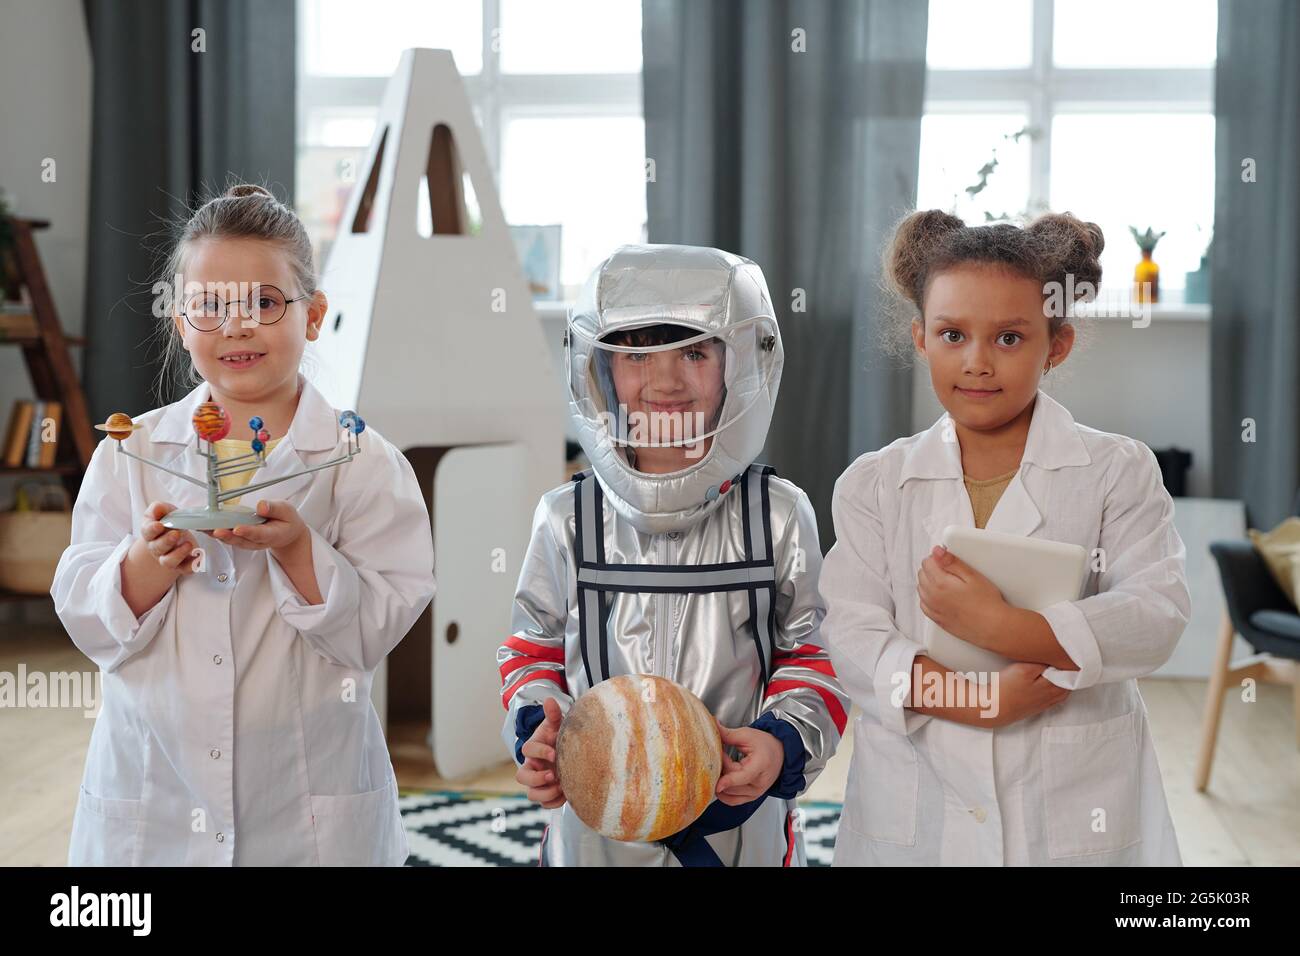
[961, 600]
[283, 532]
[762, 758]
[538, 770]
[171, 548]
[1023, 691]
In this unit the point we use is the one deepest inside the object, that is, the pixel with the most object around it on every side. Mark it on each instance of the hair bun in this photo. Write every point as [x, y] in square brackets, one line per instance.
[247, 189]
[1070, 246]
[915, 238]
[1098, 240]
[1070, 228]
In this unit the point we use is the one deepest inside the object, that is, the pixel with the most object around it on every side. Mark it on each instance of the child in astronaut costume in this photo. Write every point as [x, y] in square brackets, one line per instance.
[677, 556]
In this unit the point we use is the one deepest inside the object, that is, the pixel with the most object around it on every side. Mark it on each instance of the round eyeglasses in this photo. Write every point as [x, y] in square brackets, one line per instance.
[265, 305]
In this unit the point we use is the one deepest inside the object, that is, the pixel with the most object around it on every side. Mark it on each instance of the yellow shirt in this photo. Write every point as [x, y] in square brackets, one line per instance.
[233, 448]
[984, 494]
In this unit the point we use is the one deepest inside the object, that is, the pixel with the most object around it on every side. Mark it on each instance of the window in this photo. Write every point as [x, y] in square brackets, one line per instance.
[555, 88]
[1103, 108]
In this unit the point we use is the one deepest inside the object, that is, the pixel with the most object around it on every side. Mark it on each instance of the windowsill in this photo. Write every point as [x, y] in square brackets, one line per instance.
[1124, 311]
[552, 311]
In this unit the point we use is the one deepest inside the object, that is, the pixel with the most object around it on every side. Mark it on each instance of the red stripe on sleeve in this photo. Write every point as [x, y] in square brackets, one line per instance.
[804, 649]
[557, 676]
[832, 702]
[822, 667]
[512, 665]
[539, 651]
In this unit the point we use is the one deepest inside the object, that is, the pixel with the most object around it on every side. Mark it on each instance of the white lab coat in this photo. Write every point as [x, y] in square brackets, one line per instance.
[1075, 785]
[236, 724]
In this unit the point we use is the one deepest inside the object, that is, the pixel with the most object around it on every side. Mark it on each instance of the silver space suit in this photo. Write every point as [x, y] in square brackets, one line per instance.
[706, 574]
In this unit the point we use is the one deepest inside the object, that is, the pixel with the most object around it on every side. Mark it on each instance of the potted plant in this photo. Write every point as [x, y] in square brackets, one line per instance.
[1146, 277]
[985, 172]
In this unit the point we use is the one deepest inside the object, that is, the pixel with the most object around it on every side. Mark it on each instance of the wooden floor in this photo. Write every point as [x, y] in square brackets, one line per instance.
[1250, 816]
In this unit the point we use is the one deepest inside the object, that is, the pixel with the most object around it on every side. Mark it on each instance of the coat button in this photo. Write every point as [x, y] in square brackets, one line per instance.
[214, 754]
[674, 535]
[216, 658]
[221, 838]
[980, 814]
[222, 577]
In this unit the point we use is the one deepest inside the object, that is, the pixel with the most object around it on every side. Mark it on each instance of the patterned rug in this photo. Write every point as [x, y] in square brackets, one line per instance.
[457, 828]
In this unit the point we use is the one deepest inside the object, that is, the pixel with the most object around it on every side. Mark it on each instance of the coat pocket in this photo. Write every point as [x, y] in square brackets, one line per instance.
[1091, 790]
[359, 829]
[105, 832]
[886, 779]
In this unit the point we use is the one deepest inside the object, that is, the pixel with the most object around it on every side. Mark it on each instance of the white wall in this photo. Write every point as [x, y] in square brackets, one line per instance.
[45, 105]
[45, 83]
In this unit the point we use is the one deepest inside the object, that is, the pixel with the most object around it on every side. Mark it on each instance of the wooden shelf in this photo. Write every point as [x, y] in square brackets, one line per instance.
[51, 470]
[32, 326]
[49, 365]
[8, 597]
[11, 597]
[53, 376]
[37, 341]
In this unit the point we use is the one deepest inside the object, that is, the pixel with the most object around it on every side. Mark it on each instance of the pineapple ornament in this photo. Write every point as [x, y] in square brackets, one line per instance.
[1146, 277]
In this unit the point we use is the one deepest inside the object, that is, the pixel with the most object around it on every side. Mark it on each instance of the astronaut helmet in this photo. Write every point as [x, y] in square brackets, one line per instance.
[674, 359]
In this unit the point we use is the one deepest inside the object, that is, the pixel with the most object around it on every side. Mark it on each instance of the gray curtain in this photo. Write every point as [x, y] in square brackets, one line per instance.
[169, 124]
[799, 160]
[1255, 271]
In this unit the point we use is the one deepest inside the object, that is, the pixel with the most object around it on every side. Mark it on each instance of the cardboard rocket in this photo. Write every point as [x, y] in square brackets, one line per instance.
[431, 335]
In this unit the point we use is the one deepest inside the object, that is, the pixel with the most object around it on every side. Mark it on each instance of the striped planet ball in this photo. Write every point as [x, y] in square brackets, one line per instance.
[638, 758]
[118, 425]
[211, 423]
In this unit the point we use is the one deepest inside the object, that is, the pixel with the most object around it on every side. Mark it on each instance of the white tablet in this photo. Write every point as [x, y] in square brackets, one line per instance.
[1030, 572]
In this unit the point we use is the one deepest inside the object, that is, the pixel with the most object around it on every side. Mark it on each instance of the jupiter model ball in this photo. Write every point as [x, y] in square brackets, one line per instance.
[211, 422]
[638, 758]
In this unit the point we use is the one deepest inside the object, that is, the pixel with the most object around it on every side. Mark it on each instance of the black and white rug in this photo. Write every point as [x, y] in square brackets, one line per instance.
[457, 828]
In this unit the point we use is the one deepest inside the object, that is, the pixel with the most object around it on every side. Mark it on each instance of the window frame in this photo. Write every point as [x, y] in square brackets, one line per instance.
[495, 96]
[1043, 91]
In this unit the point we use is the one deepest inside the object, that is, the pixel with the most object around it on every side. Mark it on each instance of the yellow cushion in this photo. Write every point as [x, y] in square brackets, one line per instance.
[1280, 549]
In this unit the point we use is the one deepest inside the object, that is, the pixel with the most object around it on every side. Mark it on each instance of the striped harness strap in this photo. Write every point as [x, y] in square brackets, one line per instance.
[596, 577]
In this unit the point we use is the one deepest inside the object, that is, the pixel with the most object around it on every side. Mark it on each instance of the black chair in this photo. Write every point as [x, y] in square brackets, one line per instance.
[1261, 613]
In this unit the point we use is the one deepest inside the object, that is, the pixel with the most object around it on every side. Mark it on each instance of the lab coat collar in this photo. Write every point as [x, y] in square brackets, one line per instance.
[313, 428]
[1053, 442]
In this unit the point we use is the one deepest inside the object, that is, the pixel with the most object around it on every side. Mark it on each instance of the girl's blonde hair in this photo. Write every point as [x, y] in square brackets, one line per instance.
[243, 211]
[1050, 250]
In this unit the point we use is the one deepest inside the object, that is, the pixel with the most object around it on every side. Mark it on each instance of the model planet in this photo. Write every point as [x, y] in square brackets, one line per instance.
[118, 425]
[211, 423]
[638, 758]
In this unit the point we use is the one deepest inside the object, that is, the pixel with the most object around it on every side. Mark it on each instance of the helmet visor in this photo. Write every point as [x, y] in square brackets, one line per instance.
[673, 386]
